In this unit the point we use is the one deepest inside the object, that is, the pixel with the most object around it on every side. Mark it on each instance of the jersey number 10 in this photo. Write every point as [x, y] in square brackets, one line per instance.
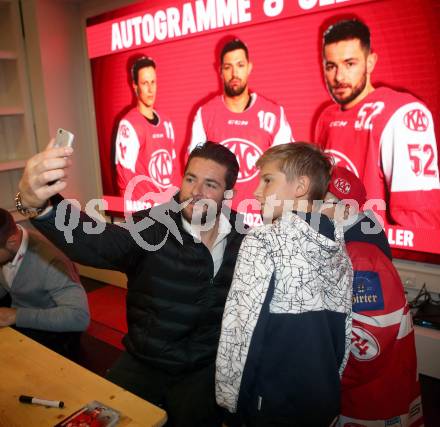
[267, 120]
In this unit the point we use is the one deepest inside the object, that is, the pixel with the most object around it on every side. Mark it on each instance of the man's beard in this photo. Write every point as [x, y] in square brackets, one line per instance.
[355, 91]
[231, 92]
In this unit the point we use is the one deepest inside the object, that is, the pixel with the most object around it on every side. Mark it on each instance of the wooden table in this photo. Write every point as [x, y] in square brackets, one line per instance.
[28, 368]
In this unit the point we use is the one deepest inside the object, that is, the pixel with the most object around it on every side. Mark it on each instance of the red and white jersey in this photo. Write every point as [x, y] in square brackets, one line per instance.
[248, 135]
[388, 141]
[145, 151]
[380, 383]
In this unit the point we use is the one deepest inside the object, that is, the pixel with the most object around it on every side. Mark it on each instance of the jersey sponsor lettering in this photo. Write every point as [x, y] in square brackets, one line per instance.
[238, 122]
[338, 123]
[367, 291]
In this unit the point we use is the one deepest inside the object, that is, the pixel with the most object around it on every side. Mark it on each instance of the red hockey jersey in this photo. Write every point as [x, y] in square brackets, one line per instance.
[247, 134]
[380, 384]
[146, 152]
[388, 141]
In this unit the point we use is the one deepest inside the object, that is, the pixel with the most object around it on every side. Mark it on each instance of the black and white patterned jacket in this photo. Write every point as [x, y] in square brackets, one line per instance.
[287, 322]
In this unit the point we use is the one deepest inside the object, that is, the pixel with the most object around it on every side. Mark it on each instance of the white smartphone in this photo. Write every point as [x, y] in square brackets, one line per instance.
[63, 138]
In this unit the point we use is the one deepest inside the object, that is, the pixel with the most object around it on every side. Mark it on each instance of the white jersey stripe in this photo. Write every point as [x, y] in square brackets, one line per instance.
[382, 321]
[406, 326]
[198, 135]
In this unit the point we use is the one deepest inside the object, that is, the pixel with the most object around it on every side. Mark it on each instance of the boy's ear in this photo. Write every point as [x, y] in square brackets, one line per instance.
[302, 186]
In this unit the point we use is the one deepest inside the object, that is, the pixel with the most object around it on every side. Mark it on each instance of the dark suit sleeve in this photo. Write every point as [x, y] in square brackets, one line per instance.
[113, 248]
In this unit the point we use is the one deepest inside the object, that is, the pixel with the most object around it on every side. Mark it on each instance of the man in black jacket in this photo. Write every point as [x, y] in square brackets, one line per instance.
[179, 259]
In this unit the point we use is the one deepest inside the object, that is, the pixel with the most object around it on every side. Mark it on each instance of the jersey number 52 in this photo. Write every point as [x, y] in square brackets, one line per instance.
[366, 114]
[422, 159]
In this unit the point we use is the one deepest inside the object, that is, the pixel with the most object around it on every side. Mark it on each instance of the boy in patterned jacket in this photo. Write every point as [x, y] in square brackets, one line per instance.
[287, 321]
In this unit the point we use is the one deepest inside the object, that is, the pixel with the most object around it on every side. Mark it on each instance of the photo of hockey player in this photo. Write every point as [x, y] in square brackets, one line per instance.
[145, 139]
[385, 137]
[243, 121]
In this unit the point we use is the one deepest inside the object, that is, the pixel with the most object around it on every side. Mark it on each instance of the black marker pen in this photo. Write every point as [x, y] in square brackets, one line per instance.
[36, 401]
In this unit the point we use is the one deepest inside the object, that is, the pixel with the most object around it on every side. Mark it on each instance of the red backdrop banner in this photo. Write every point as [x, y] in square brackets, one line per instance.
[285, 48]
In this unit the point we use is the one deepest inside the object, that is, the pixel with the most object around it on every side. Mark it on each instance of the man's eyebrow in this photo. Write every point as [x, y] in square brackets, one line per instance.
[211, 180]
[233, 62]
[344, 61]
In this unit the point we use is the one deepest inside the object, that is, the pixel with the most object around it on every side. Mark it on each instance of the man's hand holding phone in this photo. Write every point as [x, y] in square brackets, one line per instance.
[45, 173]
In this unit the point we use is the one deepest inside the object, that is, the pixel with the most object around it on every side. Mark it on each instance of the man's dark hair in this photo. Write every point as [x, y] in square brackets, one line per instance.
[348, 29]
[233, 45]
[7, 226]
[221, 155]
[142, 62]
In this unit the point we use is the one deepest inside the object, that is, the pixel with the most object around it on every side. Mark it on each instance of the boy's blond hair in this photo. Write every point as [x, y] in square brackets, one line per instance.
[301, 159]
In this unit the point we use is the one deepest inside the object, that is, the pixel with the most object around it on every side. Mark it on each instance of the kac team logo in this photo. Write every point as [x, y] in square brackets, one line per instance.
[343, 161]
[364, 345]
[247, 154]
[127, 146]
[416, 120]
[124, 131]
[160, 168]
[342, 185]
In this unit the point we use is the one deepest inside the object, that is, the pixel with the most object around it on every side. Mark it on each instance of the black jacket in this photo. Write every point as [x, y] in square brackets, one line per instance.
[174, 303]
